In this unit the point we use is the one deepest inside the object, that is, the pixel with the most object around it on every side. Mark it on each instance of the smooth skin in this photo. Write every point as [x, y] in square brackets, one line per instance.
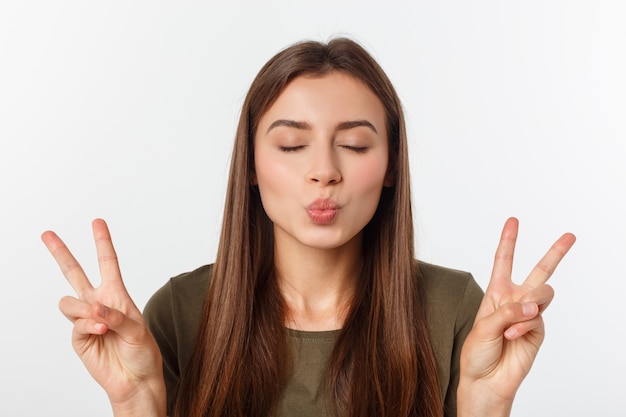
[111, 337]
[508, 331]
[323, 138]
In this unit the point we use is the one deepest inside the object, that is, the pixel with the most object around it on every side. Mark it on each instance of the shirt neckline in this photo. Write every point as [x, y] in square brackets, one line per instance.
[305, 334]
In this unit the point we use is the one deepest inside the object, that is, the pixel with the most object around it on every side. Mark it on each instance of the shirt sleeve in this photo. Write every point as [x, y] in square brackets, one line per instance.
[472, 297]
[159, 317]
[173, 315]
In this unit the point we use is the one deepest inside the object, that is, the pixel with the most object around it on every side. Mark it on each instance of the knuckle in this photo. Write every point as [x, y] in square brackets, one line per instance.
[504, 256]
[509, 312]
[70, 267]
[542, 266]
[107, 258]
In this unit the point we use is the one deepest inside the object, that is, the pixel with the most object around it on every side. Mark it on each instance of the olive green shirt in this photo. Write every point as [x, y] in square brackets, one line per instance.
[452, 298]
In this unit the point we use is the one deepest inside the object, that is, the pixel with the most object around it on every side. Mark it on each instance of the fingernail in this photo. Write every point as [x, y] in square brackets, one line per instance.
[529, 309]
[100, 328]
[510, 333]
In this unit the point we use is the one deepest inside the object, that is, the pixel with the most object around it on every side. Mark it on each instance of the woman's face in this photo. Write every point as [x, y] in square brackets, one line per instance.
[321, 160]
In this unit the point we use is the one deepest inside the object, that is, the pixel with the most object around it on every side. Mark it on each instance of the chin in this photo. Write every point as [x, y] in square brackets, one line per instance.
[330, 242]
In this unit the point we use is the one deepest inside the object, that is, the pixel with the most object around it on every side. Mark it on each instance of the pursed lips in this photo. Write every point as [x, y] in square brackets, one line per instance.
[323, 210]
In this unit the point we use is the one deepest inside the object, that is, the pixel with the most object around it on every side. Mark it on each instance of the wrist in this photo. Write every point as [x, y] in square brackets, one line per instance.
[146, 400]
[476, 400]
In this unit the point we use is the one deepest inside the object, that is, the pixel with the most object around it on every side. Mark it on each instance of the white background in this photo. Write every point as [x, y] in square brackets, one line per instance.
[127, 110]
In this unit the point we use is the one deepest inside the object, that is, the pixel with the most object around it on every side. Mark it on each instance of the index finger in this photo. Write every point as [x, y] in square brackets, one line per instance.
[546, 266]
[70, 267]
[503, 261]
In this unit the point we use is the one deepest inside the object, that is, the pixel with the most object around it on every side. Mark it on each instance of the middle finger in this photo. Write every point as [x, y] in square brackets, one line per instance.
[546, 266]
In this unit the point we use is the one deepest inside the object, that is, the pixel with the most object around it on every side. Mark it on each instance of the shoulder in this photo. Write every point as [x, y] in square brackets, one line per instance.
[175, 310]
[173, 315]
[450, 298]
[186, 288]
[189, 283]
[446, 286]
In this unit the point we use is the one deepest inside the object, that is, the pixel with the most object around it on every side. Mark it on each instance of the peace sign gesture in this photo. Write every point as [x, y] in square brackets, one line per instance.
[508, 331]
[110, 335]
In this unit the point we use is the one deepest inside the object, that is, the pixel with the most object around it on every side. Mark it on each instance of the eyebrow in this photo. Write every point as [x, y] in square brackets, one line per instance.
[289, 123]
[305, 126]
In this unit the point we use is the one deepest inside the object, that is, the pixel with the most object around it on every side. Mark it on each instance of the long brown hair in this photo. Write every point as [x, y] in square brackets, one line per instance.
[382, 363]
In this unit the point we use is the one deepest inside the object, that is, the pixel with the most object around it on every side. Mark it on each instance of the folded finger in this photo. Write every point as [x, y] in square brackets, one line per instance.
[493, 325]
[85, 328]
[74, 309]
[129, 329]
[541, 295]
[70, 267]
[522, 328]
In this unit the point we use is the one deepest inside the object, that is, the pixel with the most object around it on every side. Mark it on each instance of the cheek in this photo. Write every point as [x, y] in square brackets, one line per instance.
[272, 177]
[371, 175]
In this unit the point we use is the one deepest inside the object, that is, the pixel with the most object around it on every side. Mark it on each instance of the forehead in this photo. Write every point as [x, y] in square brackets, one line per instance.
[330, 98]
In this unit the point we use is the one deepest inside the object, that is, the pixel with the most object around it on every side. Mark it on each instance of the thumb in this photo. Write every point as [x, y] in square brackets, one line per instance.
[128, 329]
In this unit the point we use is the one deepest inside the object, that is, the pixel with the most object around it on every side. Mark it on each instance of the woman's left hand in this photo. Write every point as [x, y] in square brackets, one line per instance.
[508, 331]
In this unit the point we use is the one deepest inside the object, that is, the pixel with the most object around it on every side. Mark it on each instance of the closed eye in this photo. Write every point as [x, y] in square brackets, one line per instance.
[288, 149]
[357, 149]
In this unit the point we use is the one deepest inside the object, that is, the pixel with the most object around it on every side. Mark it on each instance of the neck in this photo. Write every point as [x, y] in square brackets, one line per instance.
[317, 284]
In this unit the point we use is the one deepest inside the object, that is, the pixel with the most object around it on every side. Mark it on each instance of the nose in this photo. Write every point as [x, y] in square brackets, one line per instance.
[324, 169]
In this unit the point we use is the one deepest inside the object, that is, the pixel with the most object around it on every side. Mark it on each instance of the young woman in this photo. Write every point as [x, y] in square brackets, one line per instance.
[315, 304]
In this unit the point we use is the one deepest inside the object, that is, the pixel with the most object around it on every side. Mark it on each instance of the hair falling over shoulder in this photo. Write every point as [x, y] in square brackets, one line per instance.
[382, 363]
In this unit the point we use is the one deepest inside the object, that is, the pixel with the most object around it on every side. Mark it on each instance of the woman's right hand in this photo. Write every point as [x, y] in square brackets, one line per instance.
[110, 335]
